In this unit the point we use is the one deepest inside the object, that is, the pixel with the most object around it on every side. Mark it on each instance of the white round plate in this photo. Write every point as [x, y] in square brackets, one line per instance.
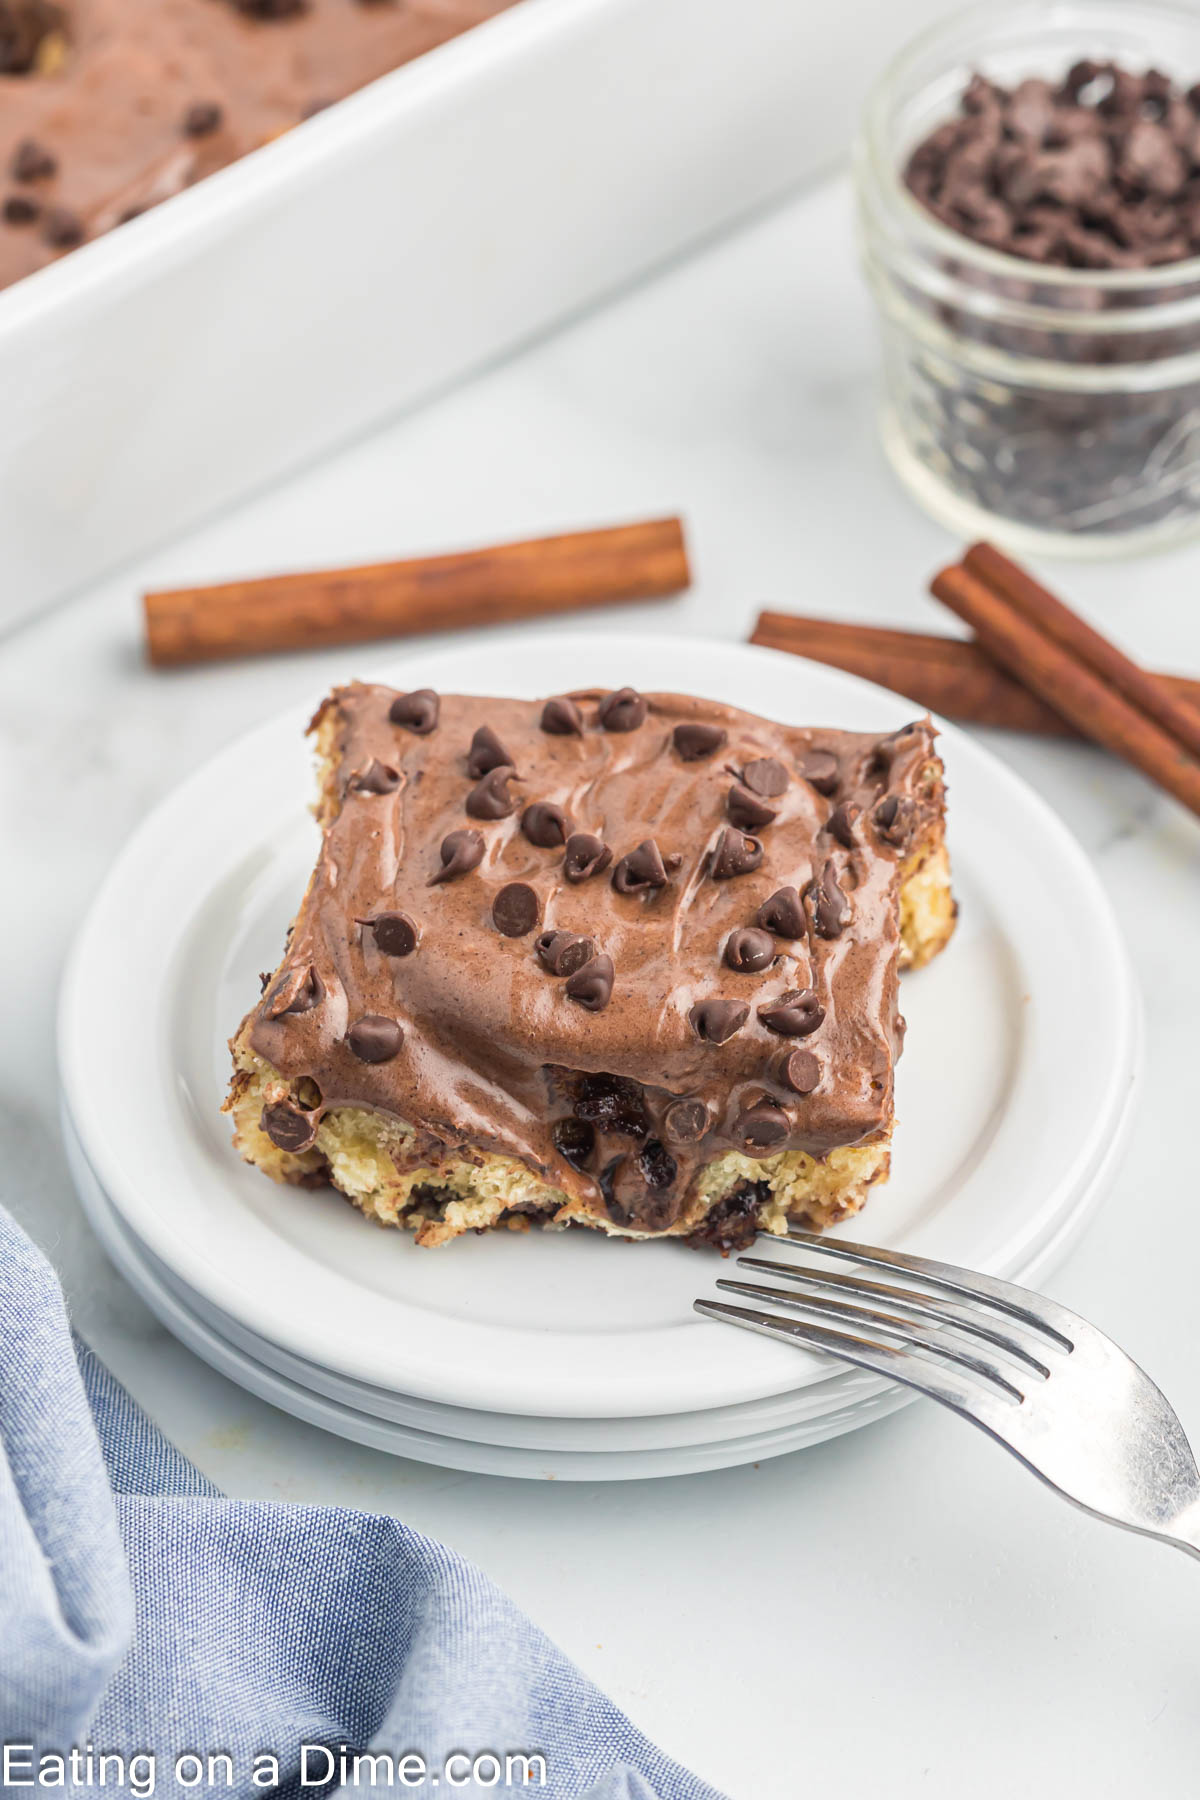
[1018, 1069]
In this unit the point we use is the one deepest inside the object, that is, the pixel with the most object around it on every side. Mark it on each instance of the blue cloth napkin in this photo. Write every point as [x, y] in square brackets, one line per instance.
[146, 1618]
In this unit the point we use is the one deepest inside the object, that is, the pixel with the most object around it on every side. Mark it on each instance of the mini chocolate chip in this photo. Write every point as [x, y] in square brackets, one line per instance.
[747, 811]
[686, 1121]
[297, 992]
[783, 914]
[374, 1039]
[656, 1165]
[486, 753]
[799, 1070]
[696, 740]
[395, 933]
[735, 854]
[592, 985]
[375, 778]
[643, 868]
[763, 1126]
[62, 228]
[894, 818]
[821, 770]
[31, 161]
[585, 856]
[417, 712]
[21, 209]
[287, 1127]
[562, 718]
[765, 775]
[843, 822]
[623, 710]
[749, 950]
[490, 798]
[574, 1140]
[545, 824]
[461, 852]
[831, 907]
[515, 909]
[562, 952]
[793, 1015]
[715, 1021]
[202, 118]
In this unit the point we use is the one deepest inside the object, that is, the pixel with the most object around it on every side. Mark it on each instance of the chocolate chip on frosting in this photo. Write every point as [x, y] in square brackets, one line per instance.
[831, 907]
[783, 914]
[643, 868]
[486, 753]
[202, 118]
[793, 1015]
[490, 798]
[695, 740]
[374, 1039]
[545, 824]
[31, 161]
[21, 209]
[298, 991]
[562, 718]
[585, 856]
[562, 952]
[62, 228]
[394, 933]
[894, 817]
[461, 852]
[417, 712]
[765, 775]
[821, 770]
[843, 823]
[749, 949]
[375, 778]
[735, 854]
[592, 985]
[799, 1070]
[287, 1127]
[747, 810]
[716, 1021]
[685, 1121]
[763, 1126]
[623, 710]
[270, 9]
[515, 909]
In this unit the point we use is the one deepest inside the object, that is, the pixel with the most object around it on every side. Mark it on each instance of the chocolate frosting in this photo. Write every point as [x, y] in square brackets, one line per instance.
[498, 1053]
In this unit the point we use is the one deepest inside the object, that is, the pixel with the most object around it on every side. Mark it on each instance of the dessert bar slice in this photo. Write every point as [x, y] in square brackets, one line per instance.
[611, 959]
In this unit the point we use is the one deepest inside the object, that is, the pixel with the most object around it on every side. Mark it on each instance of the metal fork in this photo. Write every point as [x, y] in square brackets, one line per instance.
[1039, 1379]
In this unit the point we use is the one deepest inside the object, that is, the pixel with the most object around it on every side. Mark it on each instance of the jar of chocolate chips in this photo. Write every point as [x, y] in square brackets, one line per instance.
[1028, 184]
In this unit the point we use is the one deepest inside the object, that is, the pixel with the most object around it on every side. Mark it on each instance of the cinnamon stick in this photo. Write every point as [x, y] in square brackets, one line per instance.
[431, 593]
[1062, 678]
[951, 676]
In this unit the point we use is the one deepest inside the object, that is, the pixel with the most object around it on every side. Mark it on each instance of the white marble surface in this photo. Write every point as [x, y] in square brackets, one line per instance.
[900, 1611]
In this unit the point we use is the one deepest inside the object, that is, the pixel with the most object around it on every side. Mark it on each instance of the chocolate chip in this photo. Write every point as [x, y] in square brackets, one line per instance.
[656, 1165]
[749, 950]
[793, 1015]
[575, 1141]
[623, 710]
[686, 1121]
[585, 856]
[490, 798]
[614, 1103]
[270, 9]
[715, 1021]
[562, 718]
[287, 1127]
[21, 209]
[545, 824]
[783, 914]
[799, 1070]
[831, 907]
[375, 778]
[735, 854]
[31, 161]
[461, 852]
[562, 952]
[395, 933]
[843, 823]
[515, 909]
[695, 740]
[894, 817]
[417, 712]
[821, 770]
[592, 985]
[298, 991]
[643, 868]
[374, 1039]
[202, 118]
[765, 776]
[62, 228]
[747, 811]
[763, 1126]
[486, 753]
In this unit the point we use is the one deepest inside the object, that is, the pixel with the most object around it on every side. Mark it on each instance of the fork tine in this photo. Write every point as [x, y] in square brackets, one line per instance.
[913, 1337]
[1032, 1309]
[923, 1306]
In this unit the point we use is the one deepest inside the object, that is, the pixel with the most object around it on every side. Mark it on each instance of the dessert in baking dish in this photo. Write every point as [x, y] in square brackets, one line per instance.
[619, 960]
[109, 106]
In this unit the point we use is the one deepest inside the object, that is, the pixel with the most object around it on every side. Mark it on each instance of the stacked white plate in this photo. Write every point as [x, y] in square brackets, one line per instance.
[568, 1354]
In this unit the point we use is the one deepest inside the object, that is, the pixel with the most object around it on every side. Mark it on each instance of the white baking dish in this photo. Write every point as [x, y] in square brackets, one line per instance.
[452, 209]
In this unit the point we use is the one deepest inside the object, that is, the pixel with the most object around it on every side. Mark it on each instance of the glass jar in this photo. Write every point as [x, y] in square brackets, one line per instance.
[1057, 410]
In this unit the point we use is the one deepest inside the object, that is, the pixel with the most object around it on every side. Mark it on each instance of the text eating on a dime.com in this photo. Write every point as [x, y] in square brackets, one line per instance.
[141, 1773]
